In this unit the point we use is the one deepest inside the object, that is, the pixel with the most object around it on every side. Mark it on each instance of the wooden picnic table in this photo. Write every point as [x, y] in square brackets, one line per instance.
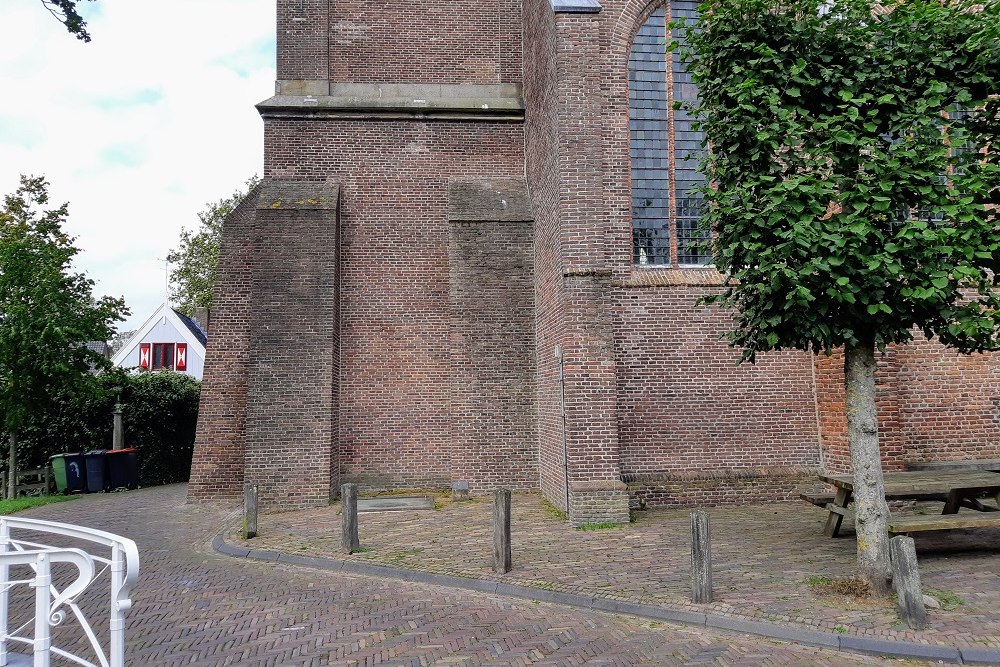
[956, 488]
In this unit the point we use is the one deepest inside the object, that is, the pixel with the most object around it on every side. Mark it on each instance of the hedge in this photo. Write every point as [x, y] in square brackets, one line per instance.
[160, 413]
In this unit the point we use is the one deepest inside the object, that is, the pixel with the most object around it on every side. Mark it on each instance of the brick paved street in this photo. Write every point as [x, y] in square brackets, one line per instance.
[195, 607]
[763, 559]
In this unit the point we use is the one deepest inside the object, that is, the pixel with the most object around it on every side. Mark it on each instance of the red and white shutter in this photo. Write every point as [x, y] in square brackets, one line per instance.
[181, 357]
[144, 362]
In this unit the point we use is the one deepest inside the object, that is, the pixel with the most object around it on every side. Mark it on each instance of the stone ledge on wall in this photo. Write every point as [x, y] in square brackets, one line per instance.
[669, 277]
[489, 200]
[312, 99]
[576, 6]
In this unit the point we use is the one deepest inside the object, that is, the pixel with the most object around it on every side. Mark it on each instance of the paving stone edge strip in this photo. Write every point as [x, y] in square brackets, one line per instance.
[848, 643]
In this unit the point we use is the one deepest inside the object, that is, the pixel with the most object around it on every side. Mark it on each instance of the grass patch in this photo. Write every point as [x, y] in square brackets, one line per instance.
[947, 599]
[363, 550]
[603, 525]
[543, 584]
[850, 586]
[18, 504]
[552, 509]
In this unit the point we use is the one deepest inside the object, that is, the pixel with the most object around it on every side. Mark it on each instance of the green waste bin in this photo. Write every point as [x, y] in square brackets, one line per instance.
[58, 463]
[70, 472]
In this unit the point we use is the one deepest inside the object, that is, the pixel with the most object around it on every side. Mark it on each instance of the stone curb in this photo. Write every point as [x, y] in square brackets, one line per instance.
[847, 643]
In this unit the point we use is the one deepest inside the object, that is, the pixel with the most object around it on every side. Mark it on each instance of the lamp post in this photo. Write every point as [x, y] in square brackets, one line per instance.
[118, 437]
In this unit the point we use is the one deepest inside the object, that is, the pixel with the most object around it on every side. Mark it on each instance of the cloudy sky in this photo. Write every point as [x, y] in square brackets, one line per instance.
[138, 129]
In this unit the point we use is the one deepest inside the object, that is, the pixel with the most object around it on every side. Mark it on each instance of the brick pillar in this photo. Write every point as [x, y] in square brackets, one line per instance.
[492, 320]
[291, 425]
[596, 491]
[217, 467]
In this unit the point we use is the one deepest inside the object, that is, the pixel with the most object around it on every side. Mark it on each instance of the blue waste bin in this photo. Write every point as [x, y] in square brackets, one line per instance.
[123, 468]
[76, 472]
[97, 470]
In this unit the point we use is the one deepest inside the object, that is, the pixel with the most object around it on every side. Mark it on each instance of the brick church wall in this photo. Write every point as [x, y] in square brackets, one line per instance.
[425, 393]
[396, 427]
[694, 423]
[423, 41]
[693, 427]
[934, 404]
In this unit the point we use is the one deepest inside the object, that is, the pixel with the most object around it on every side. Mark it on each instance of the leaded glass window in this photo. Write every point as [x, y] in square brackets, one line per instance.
[664, 148]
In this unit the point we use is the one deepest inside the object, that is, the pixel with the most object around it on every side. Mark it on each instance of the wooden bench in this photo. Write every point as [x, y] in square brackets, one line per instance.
[824, 499]
[817, 499]
[992, 465]
[929, 522]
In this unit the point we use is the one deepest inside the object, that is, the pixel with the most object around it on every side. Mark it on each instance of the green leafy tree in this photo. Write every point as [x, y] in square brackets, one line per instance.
[196, 259]
[851, 165]
[66, 13]
[47, 312]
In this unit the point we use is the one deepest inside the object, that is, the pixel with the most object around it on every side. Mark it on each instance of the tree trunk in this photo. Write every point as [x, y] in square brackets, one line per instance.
[12, 479]
[871, 513]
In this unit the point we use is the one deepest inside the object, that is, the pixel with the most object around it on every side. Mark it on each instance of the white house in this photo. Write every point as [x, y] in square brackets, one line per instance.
[168, 340]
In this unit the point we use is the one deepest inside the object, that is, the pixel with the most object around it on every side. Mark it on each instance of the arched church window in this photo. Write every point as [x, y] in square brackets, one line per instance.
[664, 148]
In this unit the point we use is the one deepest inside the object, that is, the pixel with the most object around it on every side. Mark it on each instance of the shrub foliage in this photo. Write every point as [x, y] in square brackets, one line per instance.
[160, 412]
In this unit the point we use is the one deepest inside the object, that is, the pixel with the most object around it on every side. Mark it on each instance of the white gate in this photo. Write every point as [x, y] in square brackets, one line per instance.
[119, 558]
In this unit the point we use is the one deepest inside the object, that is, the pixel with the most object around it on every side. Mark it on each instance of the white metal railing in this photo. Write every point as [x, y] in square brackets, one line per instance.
[122, 564]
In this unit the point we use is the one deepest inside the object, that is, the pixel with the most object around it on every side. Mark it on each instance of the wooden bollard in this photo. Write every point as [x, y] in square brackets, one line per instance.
[501, 531]
[701, 558]
[249, 511]
[906, 581]
[349, 517]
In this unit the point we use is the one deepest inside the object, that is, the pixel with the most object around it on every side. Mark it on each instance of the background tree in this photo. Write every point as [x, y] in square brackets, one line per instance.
[196, 259]
[852, 160]
[47, 312]
[119, 339]
[66, 13]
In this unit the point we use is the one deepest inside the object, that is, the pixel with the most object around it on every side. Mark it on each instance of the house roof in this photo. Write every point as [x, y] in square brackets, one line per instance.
[192, 326]
[99, 346]
[192, 333]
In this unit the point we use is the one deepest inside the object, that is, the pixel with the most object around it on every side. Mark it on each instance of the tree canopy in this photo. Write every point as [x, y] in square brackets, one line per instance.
[48, 312]
[66, 13]
[196, 259]
[851, 170]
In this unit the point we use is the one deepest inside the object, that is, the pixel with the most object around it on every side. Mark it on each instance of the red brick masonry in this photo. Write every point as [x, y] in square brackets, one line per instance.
[455, 191]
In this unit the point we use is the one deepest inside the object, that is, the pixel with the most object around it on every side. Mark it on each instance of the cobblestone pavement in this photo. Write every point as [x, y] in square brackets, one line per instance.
[764, 560]
[195, 607]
